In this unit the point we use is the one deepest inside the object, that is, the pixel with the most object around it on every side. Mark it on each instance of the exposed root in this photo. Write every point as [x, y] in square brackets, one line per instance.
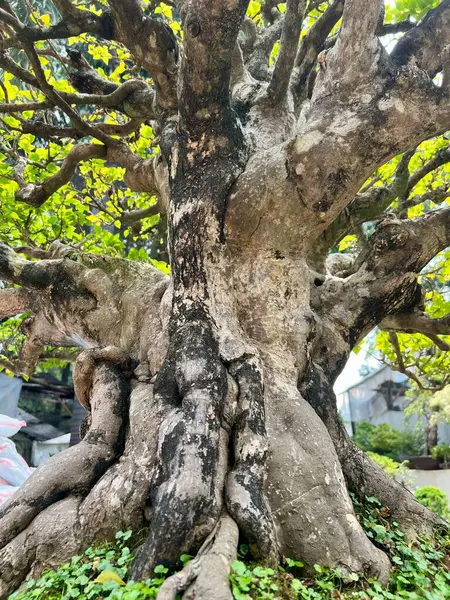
[367, 478]
[79, 467]
[49, 540]
[187, 496]
[118, 500]
[206, 576]
[315, 519]
[362, 475]
[245, 496]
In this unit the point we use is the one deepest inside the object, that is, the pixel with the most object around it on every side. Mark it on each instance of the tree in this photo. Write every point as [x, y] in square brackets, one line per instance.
[210, 390]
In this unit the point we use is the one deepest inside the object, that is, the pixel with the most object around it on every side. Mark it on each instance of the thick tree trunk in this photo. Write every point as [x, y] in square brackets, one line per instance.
[207, 414]
[221, 430]
[209, 393]
[210, 404]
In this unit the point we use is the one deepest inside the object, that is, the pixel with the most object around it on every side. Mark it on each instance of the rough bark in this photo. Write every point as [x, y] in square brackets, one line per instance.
[211, 411]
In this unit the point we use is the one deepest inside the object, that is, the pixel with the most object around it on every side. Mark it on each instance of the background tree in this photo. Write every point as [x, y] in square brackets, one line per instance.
[260, 132]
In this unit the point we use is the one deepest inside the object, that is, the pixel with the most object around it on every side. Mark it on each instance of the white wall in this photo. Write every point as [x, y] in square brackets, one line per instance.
[41, 451]
[439, 478]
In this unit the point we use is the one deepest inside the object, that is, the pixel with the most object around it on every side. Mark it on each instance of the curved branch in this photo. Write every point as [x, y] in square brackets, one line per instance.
[424, 42]
[59, 101]
[154, 45]
[79, 22]
[311, 45]
[14, 301]
[115, 98]
[281, 75]
[416, 321]
[258, 61]
[11, 265]
[409, 242]
[37, 194]
[8, 64]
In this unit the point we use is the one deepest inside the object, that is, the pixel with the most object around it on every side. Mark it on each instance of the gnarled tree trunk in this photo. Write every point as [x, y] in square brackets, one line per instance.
[211, 410]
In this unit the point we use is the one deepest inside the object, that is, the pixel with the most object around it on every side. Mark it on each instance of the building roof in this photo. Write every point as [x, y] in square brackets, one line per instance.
[35, 429]
[396, 376]
[61, 439]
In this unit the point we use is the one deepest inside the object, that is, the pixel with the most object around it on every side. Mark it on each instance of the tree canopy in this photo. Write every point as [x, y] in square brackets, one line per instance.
[212, 202]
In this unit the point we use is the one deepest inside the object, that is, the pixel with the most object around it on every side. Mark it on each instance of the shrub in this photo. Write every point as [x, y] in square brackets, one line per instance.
[399, 471]
[383, 439]
[434, 499]
[441, 452]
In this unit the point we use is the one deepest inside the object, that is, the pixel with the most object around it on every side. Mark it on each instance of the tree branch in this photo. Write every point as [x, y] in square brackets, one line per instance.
[11, 265]
[366, 206]
[436, 195]
[58, 100]
[77, 23]
[134, 97]
[46, 131]
[206, 68]
[24, 106]
[281, 75]
[441, 157]
[391, 28]
[258, 61]
[8, 64]
[357, 35]
[310, 47]
[14, 301]
[37, 194]
[383, 279]
[411, 243]
[132, 216]
[153, 44]
[416, 321]
[424, 42]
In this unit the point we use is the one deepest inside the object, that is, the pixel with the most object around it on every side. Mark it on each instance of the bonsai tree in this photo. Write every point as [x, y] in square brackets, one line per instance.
[264, 135]
[442, 452]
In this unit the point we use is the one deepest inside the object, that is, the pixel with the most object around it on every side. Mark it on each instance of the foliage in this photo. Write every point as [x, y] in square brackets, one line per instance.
[418, 571]
[90, 210]
[430, 406]
[399, 471]
[434, 499]
[97, 573]
[441, 452]
[383, 439]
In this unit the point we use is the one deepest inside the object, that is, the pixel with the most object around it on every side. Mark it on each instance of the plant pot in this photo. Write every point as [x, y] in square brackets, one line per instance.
[425, 463]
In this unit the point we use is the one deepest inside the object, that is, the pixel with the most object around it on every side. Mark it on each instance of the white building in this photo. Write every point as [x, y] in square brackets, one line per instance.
[380, 398]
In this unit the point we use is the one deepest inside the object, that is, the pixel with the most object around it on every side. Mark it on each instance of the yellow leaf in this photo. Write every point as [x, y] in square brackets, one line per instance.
[105, 576]
[46, 19]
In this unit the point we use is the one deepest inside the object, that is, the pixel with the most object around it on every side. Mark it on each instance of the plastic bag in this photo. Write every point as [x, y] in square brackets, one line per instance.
[13, 469]
[9, 426]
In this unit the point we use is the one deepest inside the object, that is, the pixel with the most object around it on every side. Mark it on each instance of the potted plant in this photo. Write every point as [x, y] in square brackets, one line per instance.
[441, 453]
